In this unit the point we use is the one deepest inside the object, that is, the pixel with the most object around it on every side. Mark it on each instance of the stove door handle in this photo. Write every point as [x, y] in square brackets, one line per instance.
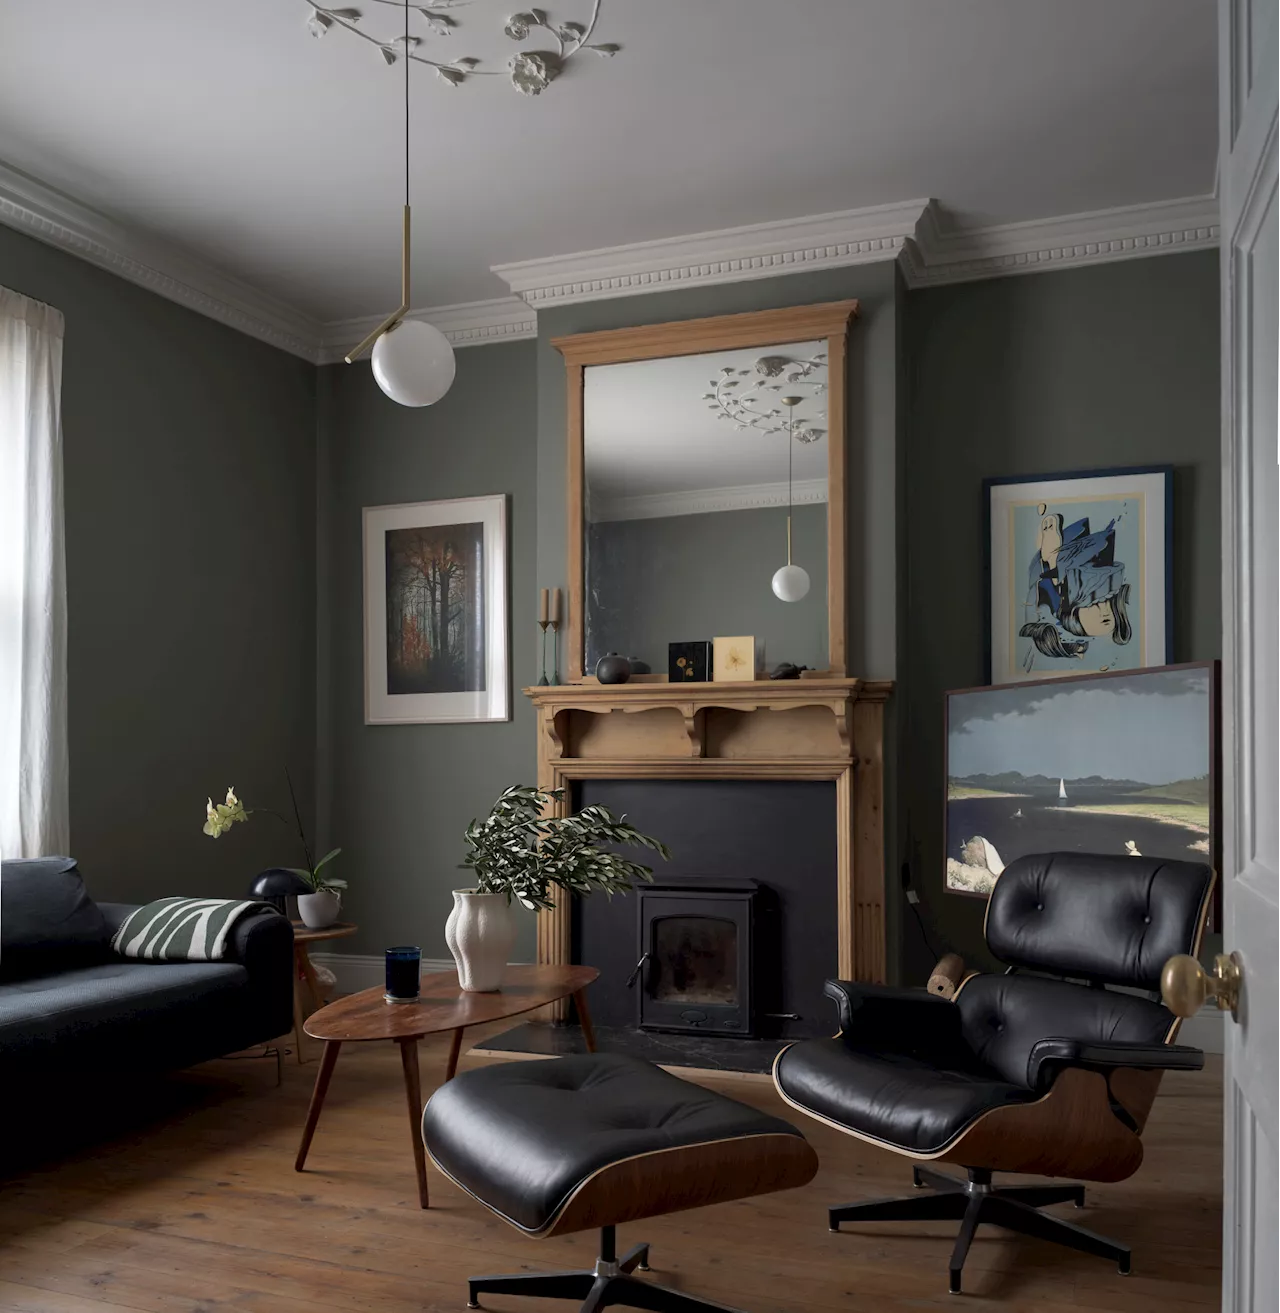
[635, 975]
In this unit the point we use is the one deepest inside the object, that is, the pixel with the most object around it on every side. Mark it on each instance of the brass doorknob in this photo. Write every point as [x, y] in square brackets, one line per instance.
[1185, 984]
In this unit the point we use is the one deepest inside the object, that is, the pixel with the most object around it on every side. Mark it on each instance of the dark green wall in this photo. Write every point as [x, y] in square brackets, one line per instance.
[403, 794]
[1083, 369]
[679, 578]
[190, 491]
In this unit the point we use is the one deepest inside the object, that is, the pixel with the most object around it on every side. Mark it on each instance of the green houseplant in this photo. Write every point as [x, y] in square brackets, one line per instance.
[318, 908]
[519, 852]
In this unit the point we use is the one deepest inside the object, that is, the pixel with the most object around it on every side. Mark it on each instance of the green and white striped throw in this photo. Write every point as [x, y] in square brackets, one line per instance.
[180, 929]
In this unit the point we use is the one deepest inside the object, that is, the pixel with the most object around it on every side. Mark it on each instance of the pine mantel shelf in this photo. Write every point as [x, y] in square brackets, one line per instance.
[831, 729]
[691, 700]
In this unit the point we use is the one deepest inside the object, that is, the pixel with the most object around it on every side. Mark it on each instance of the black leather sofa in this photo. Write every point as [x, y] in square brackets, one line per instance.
[69, 1004]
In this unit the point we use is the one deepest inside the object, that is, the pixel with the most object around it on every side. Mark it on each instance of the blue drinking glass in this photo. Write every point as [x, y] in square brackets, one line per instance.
[404, 972]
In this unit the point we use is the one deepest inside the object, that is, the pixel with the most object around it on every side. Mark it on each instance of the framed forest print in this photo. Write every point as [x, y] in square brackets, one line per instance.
[1079, 573]
[435, 612]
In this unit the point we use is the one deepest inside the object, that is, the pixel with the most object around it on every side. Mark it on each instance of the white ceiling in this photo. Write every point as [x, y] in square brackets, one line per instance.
[228, 130]
[649, 431]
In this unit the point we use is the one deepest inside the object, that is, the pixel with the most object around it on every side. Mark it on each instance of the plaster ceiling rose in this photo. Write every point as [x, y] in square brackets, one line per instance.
[530, 71]
[745, 397]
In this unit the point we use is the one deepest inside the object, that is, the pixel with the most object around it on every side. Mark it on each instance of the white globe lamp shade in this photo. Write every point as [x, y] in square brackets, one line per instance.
[413, 363]
[791, 583]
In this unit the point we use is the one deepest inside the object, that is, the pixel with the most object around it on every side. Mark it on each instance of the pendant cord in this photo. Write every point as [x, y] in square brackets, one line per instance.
[791, 439]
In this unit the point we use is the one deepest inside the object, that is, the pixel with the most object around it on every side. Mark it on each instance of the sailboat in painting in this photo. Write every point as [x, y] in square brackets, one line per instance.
[1062, 790]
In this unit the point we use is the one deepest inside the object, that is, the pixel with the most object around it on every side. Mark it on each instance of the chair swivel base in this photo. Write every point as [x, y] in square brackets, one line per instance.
[610, 1283]
[977, 1201]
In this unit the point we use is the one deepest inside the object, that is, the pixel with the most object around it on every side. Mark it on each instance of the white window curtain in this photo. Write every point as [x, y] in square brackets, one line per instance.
[34, 817]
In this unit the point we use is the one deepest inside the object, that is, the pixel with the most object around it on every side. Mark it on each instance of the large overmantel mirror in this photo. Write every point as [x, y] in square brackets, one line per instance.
[704, 457]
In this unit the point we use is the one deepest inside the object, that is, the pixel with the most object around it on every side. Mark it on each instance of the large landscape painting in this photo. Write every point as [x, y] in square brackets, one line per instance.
[1108, 764]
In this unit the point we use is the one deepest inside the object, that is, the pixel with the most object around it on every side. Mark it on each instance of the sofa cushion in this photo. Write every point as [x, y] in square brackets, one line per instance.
[47, 919]
[104, 1002]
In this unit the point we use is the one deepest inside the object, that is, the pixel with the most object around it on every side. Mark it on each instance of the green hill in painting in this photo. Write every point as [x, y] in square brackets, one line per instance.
[1193, 791]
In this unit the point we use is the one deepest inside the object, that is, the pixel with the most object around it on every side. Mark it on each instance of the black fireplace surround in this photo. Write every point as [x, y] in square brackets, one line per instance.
[737, 933]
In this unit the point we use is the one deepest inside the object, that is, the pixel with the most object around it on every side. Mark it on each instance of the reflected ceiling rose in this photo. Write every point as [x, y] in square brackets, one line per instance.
[414, 363]
[791, 583]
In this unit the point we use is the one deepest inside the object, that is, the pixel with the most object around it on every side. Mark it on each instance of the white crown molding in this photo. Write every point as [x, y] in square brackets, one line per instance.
[704, 501]
[937, 254]
[44, 213]
[471, 323]
[914, 233]
[729, 255]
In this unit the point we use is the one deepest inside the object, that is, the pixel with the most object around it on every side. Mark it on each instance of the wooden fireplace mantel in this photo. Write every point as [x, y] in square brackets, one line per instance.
[807, 729]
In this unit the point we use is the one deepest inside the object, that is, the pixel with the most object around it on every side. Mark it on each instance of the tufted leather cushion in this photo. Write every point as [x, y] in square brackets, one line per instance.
[900, 1099]
[521, 1137]
[1003, 1017]
[1111, 919]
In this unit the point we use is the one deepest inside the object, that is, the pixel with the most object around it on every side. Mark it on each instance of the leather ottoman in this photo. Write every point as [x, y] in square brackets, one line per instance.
[569, 1144]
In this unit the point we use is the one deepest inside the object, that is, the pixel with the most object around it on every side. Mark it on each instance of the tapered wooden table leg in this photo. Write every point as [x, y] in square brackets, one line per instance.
[413, 1092]
[455, 1048]
[584, 1019]
[297, 1015]
[320, 1089]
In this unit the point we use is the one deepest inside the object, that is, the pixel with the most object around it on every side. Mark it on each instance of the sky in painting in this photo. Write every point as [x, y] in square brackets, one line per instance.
[1151, 727]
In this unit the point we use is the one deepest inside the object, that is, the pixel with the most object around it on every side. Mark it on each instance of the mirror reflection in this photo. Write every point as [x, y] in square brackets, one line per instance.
[705, 491]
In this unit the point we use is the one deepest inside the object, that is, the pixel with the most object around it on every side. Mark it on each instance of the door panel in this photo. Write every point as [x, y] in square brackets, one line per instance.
[1251, 643]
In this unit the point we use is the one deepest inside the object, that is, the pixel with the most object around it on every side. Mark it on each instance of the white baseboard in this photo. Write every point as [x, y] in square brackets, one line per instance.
[357, 971]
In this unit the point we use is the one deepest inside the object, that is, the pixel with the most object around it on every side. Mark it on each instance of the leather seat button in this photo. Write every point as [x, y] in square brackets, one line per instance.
[1146, 920]
[1039, 907]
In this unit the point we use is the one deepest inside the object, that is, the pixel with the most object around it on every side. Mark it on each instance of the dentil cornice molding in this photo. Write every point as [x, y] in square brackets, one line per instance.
[938, 253]
[40, 211]
[472, 323]
[729, 255]
[915, 234]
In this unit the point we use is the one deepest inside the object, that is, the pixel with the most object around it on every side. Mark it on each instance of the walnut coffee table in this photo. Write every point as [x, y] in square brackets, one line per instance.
[442, 1006]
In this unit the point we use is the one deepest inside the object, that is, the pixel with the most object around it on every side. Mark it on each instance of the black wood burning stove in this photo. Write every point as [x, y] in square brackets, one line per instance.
[695, 941]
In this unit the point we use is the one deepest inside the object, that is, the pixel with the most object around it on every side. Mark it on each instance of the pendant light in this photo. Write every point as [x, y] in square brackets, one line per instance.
[791, 582]
[413, 362]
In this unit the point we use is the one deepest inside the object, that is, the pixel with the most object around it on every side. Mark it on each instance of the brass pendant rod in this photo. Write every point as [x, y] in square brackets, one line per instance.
[397, 315]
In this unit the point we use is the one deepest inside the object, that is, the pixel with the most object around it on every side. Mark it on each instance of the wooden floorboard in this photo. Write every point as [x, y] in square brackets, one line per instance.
[187, 1202]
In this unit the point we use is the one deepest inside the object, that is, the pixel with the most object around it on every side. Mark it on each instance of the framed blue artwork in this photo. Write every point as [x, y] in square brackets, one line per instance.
[1079, 573]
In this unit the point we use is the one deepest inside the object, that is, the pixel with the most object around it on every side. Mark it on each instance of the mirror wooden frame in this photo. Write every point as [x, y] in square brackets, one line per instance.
[761, 328]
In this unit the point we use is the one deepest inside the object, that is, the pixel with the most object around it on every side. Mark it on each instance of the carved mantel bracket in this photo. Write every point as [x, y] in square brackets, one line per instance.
[829, 729]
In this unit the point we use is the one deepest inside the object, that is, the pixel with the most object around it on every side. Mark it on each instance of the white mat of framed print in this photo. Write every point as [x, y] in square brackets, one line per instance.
[1080, 577]
[435, 612]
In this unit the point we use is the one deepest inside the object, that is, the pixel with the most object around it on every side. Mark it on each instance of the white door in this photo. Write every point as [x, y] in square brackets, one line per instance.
[1247, 35]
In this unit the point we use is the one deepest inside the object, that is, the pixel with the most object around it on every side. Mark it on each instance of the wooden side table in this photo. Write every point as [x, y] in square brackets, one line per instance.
[304, 976]
[442, 1006]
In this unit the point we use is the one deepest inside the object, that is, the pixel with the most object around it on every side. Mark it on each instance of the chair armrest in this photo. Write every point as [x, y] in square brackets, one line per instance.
[1050, 1056]
[886, 1019]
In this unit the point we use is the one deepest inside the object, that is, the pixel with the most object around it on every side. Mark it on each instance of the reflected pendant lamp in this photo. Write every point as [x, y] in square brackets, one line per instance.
[791, 582]
[412, 361]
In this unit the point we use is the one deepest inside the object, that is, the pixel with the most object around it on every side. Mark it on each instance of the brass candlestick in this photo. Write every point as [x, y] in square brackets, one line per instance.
[542, 624]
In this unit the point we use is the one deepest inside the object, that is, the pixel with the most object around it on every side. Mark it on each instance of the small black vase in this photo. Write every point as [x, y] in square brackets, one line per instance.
[613, 669]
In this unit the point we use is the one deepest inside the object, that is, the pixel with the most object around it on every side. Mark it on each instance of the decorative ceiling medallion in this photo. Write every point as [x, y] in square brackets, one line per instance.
[530, 71]
[743, 396]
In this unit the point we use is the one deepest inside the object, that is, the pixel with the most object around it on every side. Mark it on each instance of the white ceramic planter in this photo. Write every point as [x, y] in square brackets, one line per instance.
[319, 910]
[480, 931]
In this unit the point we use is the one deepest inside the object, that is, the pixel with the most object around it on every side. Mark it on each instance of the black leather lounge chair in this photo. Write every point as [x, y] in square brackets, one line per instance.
[1052, 1073]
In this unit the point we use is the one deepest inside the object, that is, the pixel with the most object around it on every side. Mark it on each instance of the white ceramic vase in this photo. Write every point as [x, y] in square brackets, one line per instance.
[320, 909]
[480, 931]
